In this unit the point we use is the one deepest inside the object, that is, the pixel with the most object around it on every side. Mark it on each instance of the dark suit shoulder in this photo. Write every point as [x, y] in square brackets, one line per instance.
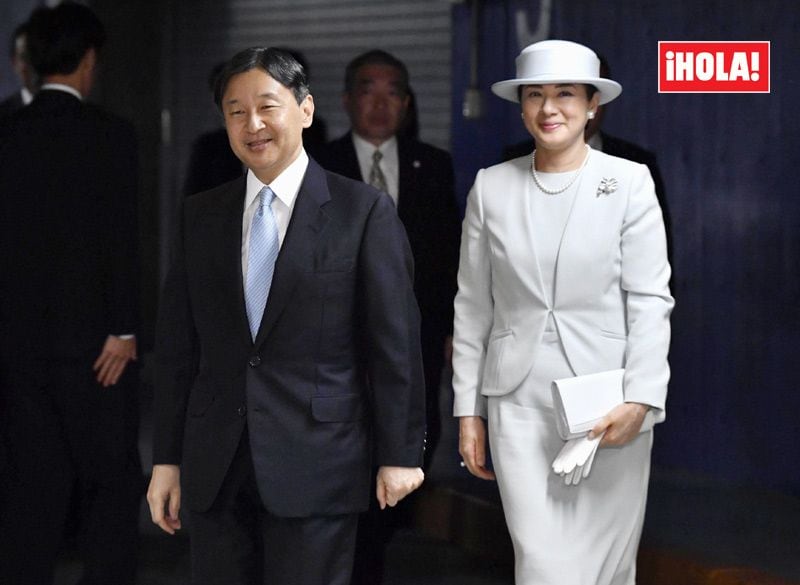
[423, 150]
[107, 121]
[67, 120]
[210, 197]
[344, 141]
[339, 156]
[337, 145]
[340, 186]
[524, 148]
[625, 149]
[10, 105]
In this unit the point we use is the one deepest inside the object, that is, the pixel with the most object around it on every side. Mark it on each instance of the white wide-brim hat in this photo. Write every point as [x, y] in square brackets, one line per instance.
[557, 62]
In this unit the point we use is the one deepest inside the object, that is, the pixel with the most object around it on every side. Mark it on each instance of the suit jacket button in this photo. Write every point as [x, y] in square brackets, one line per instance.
[255, 361]
[241, 411]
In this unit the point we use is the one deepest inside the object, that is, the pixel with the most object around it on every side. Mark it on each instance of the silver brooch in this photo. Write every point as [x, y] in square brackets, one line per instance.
[607, 186]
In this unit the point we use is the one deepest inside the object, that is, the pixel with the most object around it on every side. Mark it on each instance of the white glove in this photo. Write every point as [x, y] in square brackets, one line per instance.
[575, 459]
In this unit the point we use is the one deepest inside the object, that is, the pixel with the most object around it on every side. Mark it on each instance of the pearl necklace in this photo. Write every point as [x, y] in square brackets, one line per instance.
[544, 189]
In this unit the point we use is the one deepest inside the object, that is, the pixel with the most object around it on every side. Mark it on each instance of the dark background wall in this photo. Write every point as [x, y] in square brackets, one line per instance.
[729, 163]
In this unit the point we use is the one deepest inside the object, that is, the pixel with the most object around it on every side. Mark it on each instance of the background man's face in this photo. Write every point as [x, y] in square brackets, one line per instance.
[377, 103]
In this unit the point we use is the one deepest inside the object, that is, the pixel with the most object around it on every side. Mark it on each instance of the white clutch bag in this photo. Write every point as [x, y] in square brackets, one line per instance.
[583, 400]
[579, 403]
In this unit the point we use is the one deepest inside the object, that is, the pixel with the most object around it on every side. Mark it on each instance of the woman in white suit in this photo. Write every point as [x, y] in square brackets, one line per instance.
[563, 272]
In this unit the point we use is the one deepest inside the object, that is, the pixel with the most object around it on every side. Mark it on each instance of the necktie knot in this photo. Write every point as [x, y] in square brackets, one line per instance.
[265, 198]
[377, 156]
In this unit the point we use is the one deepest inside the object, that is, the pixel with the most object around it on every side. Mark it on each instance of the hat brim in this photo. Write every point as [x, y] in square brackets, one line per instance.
[607, 89]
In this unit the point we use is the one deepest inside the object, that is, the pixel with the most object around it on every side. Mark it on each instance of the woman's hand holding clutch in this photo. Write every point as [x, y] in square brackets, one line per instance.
[621, 425]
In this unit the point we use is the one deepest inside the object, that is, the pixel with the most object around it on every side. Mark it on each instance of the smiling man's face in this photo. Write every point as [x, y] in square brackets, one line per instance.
[264, 122]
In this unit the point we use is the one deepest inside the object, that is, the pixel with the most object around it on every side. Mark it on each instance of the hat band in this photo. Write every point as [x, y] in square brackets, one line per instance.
[549, 64]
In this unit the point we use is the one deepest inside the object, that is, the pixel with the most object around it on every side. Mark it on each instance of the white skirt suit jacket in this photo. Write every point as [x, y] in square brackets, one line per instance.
[611, 300]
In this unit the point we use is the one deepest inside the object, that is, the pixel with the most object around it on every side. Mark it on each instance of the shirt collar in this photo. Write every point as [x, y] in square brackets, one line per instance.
[62, 87]
[365, 147]
[285, 186]
[27, 96]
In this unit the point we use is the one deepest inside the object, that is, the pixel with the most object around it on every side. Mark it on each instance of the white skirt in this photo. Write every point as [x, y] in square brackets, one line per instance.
[564, 535]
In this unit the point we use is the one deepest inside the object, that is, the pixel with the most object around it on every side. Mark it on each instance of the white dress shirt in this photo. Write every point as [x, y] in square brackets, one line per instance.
[285, 186]
[390, 163]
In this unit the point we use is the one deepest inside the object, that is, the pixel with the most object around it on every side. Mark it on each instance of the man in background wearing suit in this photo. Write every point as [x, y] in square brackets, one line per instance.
[68, 312]
[27, 77]
[419, 178]
[287, 349]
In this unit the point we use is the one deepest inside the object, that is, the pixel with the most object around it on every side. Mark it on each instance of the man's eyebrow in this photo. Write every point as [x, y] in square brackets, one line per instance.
[268, 94]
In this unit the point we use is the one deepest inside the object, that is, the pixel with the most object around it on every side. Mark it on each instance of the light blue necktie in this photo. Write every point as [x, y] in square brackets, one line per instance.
[261, 259]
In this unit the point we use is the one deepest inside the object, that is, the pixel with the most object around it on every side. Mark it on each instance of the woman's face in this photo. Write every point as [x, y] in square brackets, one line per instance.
[556, 114]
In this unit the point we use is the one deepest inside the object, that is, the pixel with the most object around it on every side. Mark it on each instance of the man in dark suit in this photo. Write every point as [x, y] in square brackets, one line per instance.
[68, 312]
[267, 425]
[419, 178]
[19, 61]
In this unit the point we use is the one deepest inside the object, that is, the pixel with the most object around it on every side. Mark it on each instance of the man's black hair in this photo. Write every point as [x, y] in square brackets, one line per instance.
[375, 57]
[277, 63]
[58, 38]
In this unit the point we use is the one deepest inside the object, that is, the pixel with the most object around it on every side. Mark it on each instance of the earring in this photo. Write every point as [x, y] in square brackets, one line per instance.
[522, 115]
[590, 115]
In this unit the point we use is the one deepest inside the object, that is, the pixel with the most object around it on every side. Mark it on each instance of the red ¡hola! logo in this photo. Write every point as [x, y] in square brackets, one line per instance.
[713, 66]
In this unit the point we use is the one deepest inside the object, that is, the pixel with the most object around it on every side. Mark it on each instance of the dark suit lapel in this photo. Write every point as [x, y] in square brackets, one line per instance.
[231, 206]
[297, 251]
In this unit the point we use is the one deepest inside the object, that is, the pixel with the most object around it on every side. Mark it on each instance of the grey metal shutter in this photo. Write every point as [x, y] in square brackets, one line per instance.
[330, 33]
[200, 33]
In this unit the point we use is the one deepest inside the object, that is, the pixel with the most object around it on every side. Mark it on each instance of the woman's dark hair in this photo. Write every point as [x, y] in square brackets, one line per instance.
[277, 63]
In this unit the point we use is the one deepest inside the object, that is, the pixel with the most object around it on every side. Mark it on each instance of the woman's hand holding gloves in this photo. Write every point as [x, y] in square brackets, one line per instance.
[574, 461]
[620, 426]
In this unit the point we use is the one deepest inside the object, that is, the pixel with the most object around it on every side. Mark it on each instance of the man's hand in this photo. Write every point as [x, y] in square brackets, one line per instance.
[472, 446]
[395, 483]
[621, 424]
[112, 360]
[164, 494]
